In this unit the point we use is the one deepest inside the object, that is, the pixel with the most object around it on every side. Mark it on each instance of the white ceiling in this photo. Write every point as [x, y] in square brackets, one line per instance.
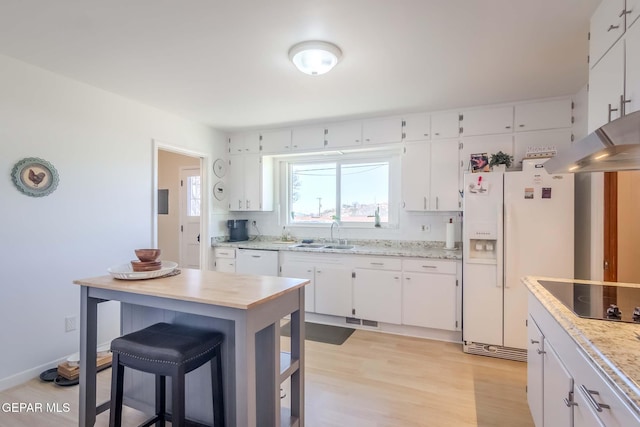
[224, 62]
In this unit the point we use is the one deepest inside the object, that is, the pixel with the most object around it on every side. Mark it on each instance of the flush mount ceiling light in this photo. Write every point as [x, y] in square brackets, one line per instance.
[315, 57]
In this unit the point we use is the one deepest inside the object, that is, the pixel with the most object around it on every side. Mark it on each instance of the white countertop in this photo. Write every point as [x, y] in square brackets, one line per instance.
[613, 346]
[433, 250]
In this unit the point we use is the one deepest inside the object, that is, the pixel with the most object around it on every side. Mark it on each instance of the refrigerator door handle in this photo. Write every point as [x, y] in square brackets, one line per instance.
[499, 251]
[508, 225]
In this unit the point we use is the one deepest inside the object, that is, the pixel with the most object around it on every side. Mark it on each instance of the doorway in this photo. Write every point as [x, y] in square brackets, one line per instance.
[621, 228]
[171, 223]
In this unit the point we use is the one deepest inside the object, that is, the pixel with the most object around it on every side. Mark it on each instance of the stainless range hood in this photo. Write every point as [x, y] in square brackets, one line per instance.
[613, 147]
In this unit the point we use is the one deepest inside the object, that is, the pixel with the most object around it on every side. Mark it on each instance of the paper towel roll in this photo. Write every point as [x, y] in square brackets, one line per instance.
[451, 236]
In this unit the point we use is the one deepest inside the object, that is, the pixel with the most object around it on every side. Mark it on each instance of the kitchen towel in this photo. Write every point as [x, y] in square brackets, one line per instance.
[451, 235]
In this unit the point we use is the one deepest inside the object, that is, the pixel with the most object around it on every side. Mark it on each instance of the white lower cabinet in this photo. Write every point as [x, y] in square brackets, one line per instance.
[333, 290]
[430, 296]
[225, 260]
[564, 386]
[377, 289]
[302, 270]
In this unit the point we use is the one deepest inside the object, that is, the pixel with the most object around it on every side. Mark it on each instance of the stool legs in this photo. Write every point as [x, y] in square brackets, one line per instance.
[177, 398]
[115, 407]
[161, 400]
[216, 389]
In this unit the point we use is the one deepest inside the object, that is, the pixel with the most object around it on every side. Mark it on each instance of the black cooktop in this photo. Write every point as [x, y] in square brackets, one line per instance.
[596, 301]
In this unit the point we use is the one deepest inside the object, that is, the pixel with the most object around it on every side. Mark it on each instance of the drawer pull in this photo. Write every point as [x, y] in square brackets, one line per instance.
[535, 342]
[540, 351]
[256, 256]
[376, 263]
[613, 27]
[589, 395]
[429, 266]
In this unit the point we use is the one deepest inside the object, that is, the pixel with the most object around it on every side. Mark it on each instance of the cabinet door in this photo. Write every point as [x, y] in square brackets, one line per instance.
[275, 141]
[607, 25]
[308, 138]
[252, 177]
[245, 142]
[445, 125]
[542, 141]
[429, 300]
[302, 271]
[444, 195]
[606, 85]
[343, 134]
[415, 176]
[377, 295]
[535, 347]
[558, 386]
[583, 415]
[551, 114]
[416, 127]
[226, 265]
[632, 62]
[236, 183]
[633, 9]
[487, 121]
[333, 291]
[382, 131]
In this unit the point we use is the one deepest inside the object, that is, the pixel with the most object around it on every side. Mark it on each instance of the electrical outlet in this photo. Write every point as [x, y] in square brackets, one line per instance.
[70, 323]
[253, 223]
[426, 228]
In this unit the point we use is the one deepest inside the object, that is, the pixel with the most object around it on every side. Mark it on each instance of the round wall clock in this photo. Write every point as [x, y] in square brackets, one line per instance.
[219, 168]
[218, 190]
[35, 177]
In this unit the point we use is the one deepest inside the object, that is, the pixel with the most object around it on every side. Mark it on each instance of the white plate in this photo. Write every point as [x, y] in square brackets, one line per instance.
[125, 271]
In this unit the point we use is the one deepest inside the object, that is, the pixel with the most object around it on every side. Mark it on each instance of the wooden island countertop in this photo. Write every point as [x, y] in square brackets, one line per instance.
[247, 309]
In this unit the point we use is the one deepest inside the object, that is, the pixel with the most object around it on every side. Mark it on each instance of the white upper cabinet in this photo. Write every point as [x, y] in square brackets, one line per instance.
[551, 114]
[244, 143]
[416, 127]
[250, 183]
[386, 130]
[444, 195]
[415, 176]
[632, 84]
[275, 141]
[633, 12]
[606, 86]
[607, 25]
[445, 125]
[307, 138]
[487, 121]
[343, 134]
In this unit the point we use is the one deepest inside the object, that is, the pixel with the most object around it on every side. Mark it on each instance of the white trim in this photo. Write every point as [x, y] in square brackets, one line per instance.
[206, 166]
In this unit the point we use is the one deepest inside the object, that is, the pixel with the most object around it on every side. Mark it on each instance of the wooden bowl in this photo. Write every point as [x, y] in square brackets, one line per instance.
[146, 255]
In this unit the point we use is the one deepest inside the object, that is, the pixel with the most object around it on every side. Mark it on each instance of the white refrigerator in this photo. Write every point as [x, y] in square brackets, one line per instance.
[515, 224]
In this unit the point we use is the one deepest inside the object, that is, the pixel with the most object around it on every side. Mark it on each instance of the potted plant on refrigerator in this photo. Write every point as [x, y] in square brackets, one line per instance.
[500, 161]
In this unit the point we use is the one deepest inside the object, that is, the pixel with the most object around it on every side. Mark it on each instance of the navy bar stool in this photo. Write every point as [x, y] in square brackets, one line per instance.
[167, 350]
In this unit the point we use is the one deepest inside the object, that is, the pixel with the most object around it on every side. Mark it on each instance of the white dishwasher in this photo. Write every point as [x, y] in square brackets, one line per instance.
[253, 261]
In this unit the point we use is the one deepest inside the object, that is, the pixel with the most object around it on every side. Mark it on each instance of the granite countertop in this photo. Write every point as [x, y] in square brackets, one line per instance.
[420, 249]
[614, 346]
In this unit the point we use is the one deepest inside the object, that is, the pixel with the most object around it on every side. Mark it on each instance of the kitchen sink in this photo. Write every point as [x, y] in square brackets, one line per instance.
[339, 247]
[308, 245]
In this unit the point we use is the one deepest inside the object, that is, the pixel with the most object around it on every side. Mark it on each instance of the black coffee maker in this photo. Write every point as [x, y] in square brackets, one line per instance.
[238, 230]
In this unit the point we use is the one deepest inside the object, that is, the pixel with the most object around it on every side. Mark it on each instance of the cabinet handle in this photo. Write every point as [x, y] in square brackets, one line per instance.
[569, 403]
[425, 203]
[625, 12]
[613, 27]
[407, 278]
[256, 256]
[429, 266]
[589, 395]
[535, 342]
[611, 110]
[521, 126]
[318, 271]
[437, 133]
[623, 107]
[376, 263]
[248, 204]
[437, 202]
[507, 127]
[239, 204]
[540, 351]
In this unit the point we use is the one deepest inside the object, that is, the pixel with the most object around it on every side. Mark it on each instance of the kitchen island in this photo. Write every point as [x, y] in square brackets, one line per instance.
[247, 309]
[581, 369]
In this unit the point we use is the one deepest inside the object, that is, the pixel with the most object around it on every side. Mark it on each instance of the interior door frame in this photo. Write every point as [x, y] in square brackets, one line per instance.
[204, 176]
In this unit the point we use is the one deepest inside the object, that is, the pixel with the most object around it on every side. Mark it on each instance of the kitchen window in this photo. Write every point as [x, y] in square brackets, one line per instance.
[349, 191]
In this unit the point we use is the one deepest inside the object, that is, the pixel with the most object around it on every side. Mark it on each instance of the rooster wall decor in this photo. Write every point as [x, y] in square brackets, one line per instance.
[35, 177]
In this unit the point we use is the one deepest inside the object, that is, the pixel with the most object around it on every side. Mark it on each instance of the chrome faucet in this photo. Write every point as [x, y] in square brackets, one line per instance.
[335, 223]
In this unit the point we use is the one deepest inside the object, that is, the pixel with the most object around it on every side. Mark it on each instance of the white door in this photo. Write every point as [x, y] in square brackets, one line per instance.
[190, 211]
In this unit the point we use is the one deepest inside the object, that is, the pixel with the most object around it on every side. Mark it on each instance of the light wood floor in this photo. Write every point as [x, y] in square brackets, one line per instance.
[372, 380]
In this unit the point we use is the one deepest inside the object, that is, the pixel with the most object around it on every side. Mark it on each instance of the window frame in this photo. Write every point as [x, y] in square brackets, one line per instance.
[390, 156]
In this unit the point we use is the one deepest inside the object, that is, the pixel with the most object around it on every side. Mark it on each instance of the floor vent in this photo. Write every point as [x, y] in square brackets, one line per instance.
[495, 351]
[353, 320]
[369, 323]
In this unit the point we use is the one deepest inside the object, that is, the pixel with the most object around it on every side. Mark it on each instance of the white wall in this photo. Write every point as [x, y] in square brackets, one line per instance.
[101, 145]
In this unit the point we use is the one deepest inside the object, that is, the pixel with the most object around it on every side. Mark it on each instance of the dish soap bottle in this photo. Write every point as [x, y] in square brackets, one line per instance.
[377, 217]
